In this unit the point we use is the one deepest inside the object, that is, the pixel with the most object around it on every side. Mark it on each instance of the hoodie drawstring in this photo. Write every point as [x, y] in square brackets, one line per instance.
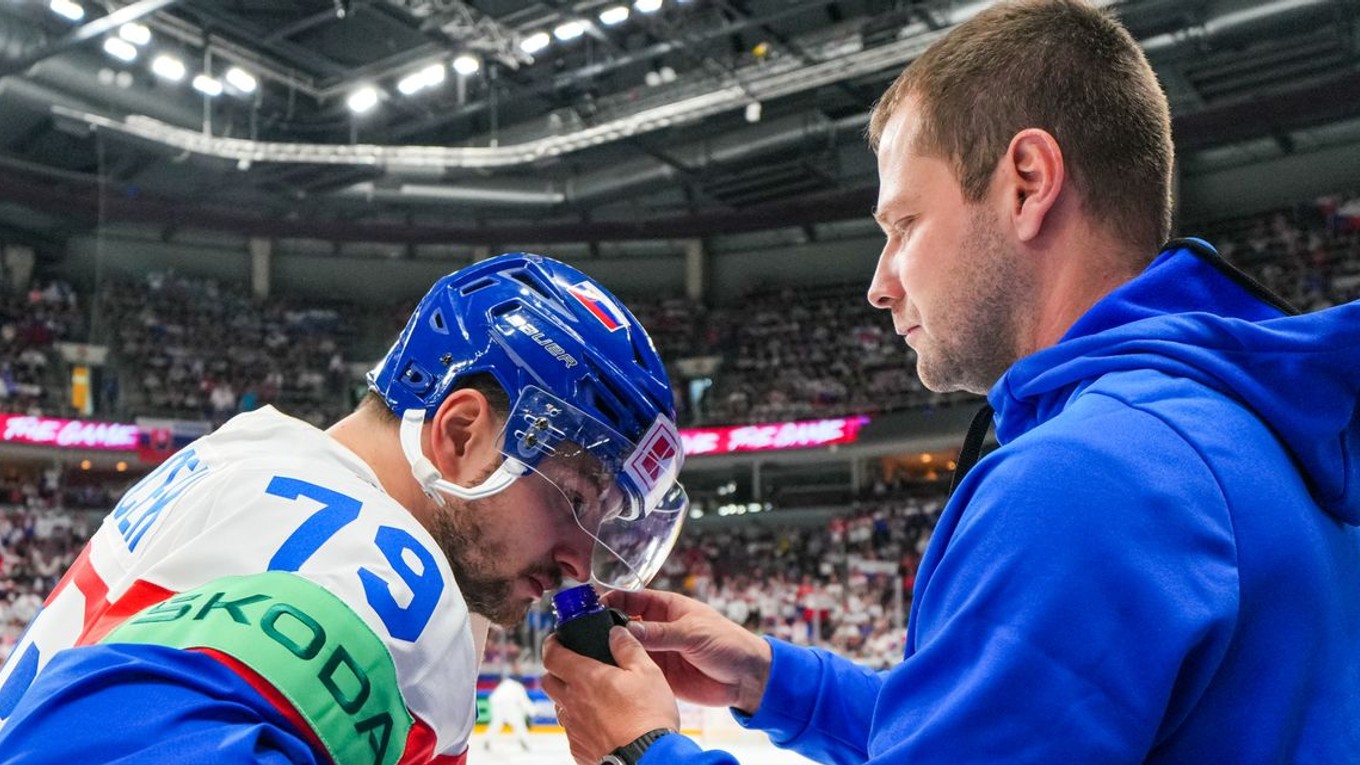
[972, 445]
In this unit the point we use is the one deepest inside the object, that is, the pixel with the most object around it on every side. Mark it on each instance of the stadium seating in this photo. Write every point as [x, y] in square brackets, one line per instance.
[197, 349]
[31, 321]
[782, 353]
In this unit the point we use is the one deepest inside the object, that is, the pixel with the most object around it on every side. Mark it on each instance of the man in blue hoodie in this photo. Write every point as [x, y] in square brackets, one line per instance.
[1161, 561]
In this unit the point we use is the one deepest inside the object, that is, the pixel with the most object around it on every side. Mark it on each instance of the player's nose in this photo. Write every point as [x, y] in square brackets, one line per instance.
[572, 557]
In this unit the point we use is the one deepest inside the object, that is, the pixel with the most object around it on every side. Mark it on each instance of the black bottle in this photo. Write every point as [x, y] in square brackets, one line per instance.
[583, 623]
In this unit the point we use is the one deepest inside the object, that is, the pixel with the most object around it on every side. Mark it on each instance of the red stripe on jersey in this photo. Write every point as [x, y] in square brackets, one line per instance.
[272, 695]
[139, 596]
[101, 616]
[419, 742]
[70, 575]
[420, 748]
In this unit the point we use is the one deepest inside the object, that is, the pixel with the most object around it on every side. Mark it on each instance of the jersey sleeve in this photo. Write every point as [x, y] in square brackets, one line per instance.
[817, 704]
[123, 704]
[260, 666]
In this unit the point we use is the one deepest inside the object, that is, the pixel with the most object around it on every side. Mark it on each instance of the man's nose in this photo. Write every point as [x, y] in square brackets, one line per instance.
[573, 558]
[885, 289]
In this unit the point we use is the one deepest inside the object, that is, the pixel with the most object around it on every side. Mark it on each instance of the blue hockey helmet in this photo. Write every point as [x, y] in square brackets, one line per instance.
[588, 394]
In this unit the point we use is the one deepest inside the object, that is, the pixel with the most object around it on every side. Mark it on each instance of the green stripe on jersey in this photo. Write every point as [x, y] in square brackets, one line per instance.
[305, 642]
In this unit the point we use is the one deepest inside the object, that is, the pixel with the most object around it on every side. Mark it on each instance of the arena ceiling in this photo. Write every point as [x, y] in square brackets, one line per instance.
[487, 121]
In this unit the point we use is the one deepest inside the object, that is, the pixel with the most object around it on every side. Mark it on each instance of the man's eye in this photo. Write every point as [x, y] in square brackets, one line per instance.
[580, 508]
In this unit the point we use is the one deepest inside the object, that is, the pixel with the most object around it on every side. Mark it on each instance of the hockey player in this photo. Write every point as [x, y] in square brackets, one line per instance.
[275, 593]
[510, 705]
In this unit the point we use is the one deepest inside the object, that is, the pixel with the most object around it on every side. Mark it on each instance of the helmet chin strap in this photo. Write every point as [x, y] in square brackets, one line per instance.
[435, 485]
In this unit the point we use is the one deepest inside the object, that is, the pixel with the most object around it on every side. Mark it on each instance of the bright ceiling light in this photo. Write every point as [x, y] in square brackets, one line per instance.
[569, 31]
[535, 42]
[410, 83]
[120, 49]
[208, 86]
[362, 100]
[169, 67]
[241, 80]
[429, 77]
[615, 15]
[137, 34]
[67, 9]
[434, 74]
[647, 6]
[466, 64]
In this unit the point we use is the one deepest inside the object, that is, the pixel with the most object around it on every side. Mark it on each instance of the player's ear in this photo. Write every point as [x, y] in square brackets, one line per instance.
[1034, 174]
[463, 436]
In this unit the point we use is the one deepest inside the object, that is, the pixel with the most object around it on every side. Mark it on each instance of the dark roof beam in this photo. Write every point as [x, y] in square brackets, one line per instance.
[86, 32]
[587, 73]
[739, 8]
[293, 55]
[287, 31]
[692, 179]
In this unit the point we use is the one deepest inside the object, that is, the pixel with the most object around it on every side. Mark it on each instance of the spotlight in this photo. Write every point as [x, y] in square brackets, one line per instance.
[169, 67]
[466, 64]
[120, 49]
[208, 86]
[535, 42]
[362, 100]
[137, 34]
[569, 31]
[241, 80]
[67, 9]
[614, 15]
[647, 6]
[429, 77]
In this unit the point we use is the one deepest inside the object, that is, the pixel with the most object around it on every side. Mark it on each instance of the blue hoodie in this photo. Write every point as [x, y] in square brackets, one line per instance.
[1160, 564]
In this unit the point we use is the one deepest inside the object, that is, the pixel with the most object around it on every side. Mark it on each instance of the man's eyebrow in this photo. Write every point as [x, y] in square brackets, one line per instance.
[906, 198]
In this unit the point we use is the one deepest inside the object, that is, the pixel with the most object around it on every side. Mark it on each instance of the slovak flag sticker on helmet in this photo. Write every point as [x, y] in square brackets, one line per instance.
[599, 305]
[656, 461]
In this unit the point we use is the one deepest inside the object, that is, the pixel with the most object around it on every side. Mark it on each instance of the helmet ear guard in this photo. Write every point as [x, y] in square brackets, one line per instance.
[432, 482]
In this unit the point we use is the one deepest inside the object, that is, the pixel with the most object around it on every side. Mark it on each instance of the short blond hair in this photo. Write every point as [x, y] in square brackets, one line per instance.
[1063, 66]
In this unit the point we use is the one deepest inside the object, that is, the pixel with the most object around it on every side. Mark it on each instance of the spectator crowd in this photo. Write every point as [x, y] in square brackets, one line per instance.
[196, 349]
[39, 539]
[31, 321]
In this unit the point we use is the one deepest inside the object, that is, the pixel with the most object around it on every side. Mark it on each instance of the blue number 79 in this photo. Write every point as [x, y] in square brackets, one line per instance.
[339, 510]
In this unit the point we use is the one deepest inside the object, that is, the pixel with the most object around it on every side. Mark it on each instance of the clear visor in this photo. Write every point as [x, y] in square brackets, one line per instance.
[626, 495]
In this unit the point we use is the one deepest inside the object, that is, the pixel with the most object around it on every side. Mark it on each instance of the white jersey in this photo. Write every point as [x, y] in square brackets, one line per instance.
[509, 698]
[271, 506]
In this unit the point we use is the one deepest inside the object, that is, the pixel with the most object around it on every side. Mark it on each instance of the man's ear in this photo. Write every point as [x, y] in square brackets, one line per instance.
[463, 436]
[1034, 174]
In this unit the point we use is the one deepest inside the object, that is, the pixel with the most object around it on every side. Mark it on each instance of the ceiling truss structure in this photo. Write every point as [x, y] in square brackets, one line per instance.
[704, 113]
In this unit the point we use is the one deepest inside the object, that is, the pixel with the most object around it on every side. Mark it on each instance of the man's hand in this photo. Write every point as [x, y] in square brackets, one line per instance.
[601, 707]
[706, 658]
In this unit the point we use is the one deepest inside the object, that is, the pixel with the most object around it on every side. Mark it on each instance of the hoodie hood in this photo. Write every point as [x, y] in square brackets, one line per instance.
[1191, 315]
